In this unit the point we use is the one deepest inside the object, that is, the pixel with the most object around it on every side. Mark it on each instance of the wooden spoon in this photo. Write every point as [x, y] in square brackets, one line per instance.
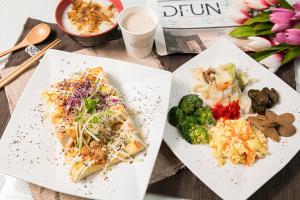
[36, 35]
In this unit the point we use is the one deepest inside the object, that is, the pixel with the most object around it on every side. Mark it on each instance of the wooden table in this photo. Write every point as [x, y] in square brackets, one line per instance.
[285, 185]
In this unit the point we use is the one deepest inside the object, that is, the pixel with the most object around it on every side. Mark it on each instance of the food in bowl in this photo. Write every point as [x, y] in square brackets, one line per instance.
[90, 17]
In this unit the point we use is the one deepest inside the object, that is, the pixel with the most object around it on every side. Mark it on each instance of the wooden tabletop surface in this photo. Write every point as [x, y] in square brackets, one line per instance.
[284, 186]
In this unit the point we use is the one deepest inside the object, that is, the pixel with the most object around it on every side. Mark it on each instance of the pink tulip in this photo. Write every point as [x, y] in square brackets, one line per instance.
[257, 4]
[281, 18]
[240, 5]
[297, 6]
[237, 15]
[280, 27]
[272, 2]
[280, 37]
[297, 10]
[257, 44]
[272, 62]
[293, 36]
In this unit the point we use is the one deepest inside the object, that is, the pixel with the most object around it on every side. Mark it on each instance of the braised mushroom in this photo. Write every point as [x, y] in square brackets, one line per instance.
[263, 99]
[274, 96]
[273, 125]
[271, 115]
[270, 123]
[261, 117]
[209, 75]
[252, 93]
[255, 121]
[271, 133]
[285, 118]
[257, 108]
[287, 130]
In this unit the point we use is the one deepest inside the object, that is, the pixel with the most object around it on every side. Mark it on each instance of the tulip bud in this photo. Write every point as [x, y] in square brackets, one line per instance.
[240, 5]
[293, 36]
[239, 16]
[257, 4]
[281, 18]
[258, 44]
[297, 10]
[280, 38]
[273, 62]
[272, 2]
[279, 27]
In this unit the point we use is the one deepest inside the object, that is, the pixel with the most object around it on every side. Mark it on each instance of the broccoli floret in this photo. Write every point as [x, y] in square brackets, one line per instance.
[192, 132]
[199, 135]
[196, 134]
[175, 116]
[204, 115]
[186, 124]
[189, 103]
[191, 118]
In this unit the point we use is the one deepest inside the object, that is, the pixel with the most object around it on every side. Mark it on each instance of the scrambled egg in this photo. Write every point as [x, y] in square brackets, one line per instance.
[238, 141]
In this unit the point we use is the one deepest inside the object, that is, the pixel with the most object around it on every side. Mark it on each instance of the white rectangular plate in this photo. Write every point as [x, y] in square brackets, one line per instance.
[233, 181]
[30, 151]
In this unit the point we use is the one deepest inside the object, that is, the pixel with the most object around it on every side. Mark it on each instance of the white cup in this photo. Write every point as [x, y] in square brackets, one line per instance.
[138, 44]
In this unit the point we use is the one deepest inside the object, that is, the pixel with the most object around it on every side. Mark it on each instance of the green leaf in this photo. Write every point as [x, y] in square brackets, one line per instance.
[297, 26]
[263, 26]
[258, 56]
[291, 54]
[243, 31]
[263, 17]
[90, 104]
[285, 4]
[264, 32]
[280, 47]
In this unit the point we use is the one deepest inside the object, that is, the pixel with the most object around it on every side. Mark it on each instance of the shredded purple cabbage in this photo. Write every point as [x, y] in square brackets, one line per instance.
[116, 101]
[82, 91]
[103, 99]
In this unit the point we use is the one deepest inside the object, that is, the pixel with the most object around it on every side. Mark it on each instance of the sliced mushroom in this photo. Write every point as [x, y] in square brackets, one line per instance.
[209, 75]
[252, 93]
[262, 98]
[254, 121]
[271, 115]
[270, 103]
[287, 130]
[271, 133]
[270, 123]
[261, 117]
[269, 119]
[273, 125]
[266, 90]
[257, 108]
[274, 96]
[285, 118]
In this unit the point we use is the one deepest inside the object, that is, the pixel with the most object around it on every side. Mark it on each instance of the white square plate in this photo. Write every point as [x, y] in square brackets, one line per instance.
[28, 149]
[233, 182]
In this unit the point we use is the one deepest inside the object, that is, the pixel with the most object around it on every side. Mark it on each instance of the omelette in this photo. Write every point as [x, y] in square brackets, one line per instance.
[91, 123]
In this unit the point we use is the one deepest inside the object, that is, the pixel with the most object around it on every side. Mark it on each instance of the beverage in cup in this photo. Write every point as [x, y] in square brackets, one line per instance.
[138, 25]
